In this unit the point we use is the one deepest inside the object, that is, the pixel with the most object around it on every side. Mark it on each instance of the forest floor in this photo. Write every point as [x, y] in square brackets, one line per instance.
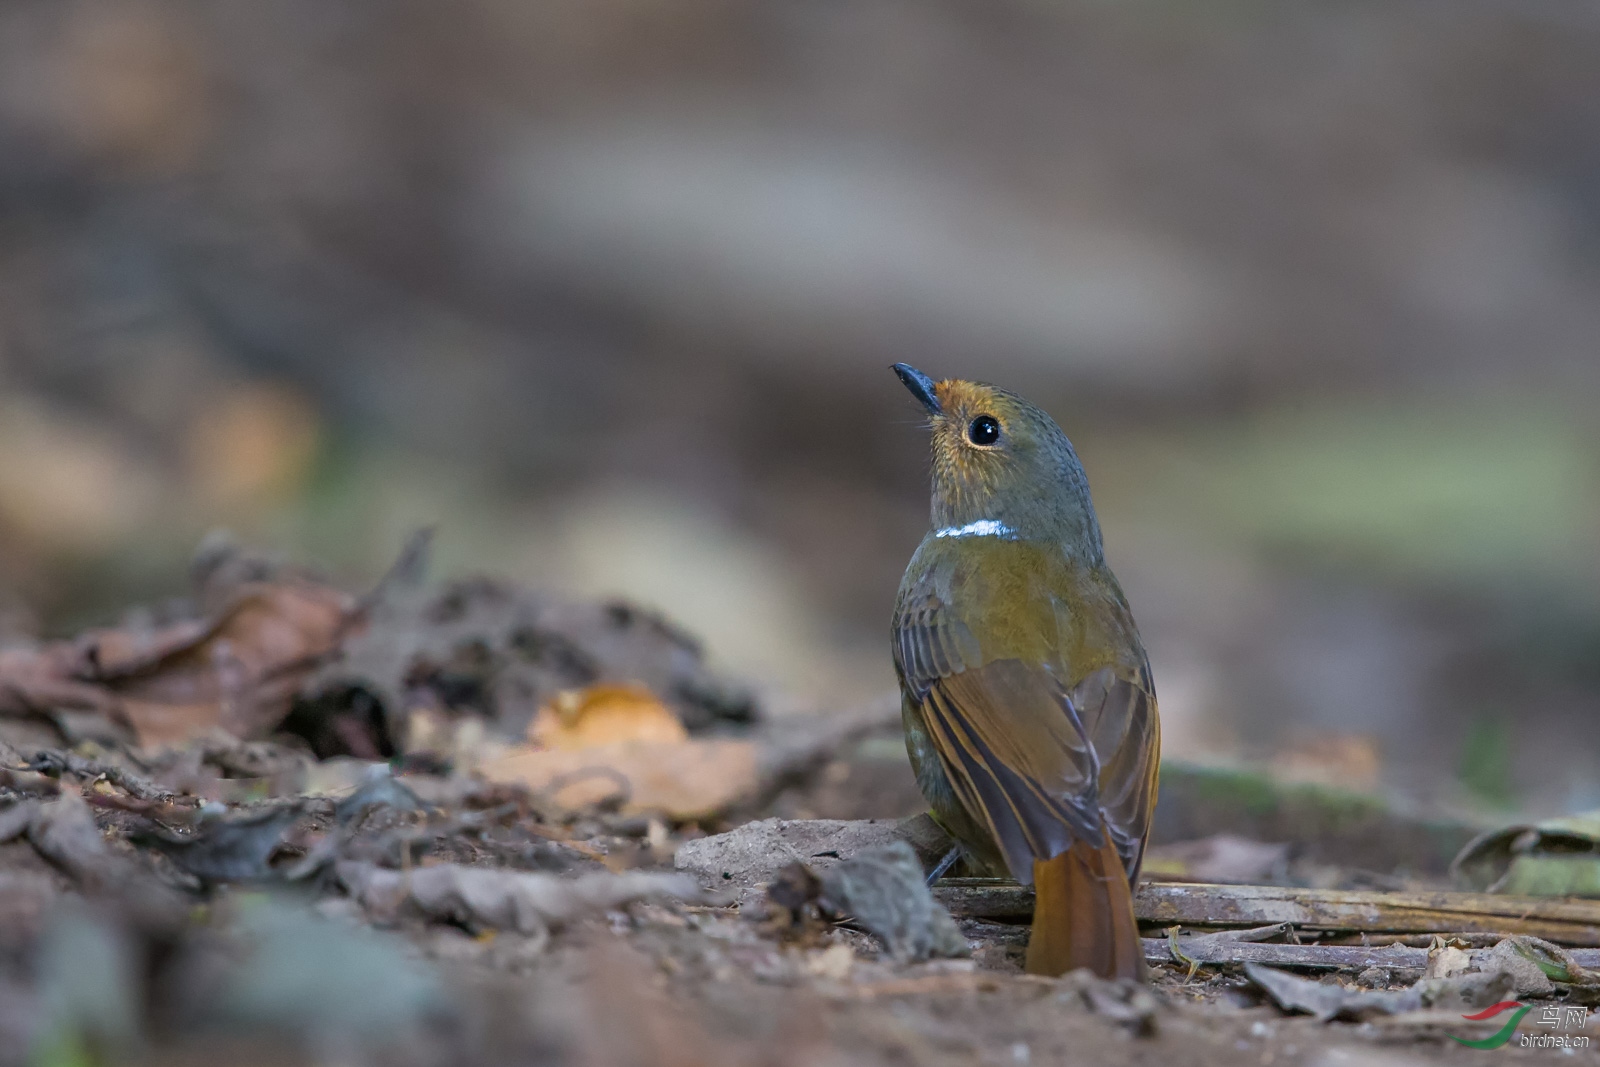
[462, 823]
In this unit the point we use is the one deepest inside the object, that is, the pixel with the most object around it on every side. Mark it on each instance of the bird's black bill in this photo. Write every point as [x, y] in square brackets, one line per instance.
[921, 386]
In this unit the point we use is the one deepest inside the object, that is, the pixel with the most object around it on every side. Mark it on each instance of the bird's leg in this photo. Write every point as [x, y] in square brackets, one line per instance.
[944, 864]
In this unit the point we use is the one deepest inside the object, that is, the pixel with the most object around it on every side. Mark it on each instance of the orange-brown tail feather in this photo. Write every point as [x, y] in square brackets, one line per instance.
[1083, 915]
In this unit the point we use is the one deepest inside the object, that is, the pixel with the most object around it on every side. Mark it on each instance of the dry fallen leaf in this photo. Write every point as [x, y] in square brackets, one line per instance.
[605, 715]
[38, 679]
[1446, 960]
[1333, 1000]
[621, 744]
[239, 670]
[883, 890]
[682, 779]
[479, 898]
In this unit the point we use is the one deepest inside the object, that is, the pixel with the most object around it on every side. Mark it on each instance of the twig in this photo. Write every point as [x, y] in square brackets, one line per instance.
[72, 763]
[1320, 957]
[1562, 921]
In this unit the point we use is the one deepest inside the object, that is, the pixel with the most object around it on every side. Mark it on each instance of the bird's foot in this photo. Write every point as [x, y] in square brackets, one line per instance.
[944, 865]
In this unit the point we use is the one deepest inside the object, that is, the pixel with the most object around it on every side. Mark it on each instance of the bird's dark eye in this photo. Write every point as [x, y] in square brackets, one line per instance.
[985, 430]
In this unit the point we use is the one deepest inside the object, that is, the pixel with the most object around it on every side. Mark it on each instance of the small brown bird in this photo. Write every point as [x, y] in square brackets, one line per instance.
[1029, 711]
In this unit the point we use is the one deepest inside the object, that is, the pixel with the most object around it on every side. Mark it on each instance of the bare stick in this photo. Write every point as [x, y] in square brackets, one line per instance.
[1319, 957]
[1563, 921]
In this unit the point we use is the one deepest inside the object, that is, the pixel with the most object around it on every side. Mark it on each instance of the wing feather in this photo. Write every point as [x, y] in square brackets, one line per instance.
[1126, 731]
[1040, 765]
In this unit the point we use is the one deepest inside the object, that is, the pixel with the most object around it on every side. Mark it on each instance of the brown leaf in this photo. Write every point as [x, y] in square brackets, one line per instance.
[37, 680]
[103, 655]
[604, 715]
[682, 779]
[240, 670]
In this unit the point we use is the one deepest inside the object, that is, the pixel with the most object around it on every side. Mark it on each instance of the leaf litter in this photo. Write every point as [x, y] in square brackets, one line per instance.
[464, 822]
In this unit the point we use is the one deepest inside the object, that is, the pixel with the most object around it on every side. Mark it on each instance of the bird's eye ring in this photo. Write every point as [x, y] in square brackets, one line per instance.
[984, 430]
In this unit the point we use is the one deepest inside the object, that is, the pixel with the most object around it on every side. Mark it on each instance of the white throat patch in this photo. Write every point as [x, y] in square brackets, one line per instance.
[981, 528]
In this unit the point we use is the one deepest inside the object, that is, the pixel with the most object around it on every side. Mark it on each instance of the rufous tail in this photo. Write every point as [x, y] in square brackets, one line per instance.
[1083, 915]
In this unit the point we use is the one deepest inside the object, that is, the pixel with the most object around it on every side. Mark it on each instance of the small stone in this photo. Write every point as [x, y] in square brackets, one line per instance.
[1373, 978]
[1527, 978]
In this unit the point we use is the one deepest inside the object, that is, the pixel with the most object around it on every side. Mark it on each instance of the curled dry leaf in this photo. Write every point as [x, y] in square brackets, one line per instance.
[483, 898]
[1462, 993]
[1446, 960]
[683, 780]
[883, 889]
[63, 832]
[233, 849]
[241, 670]
[604, 715]
[38, 679]
[380, 789]
[620, 745]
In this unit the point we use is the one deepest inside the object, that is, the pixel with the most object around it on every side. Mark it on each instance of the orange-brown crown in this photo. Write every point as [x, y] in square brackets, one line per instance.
[998, 458]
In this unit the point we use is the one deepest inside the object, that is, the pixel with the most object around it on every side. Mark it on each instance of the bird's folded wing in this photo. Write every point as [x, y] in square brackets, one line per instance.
[1042, 766]
[1121, 721]
[1006, 735]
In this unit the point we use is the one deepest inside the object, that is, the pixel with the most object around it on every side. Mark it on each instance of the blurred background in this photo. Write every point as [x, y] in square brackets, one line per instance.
[607, 290]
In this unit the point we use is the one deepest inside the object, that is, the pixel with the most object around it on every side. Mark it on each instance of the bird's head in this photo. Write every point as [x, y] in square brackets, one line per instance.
[1002, 467]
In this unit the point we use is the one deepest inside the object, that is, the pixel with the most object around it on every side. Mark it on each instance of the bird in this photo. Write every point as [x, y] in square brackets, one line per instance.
[1029, 708]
